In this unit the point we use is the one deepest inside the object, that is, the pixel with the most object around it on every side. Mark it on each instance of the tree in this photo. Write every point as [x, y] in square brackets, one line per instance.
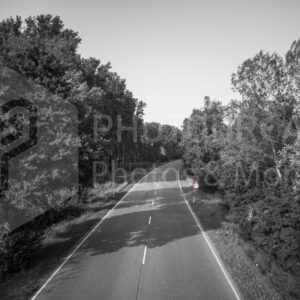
[42, 50]
[171, 138]
[255, 144]
[202, 139]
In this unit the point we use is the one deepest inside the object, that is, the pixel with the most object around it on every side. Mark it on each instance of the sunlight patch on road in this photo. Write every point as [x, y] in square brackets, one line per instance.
[146, 186]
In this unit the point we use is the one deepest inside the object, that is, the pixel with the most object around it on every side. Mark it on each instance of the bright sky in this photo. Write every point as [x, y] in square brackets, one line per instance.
[173, 53]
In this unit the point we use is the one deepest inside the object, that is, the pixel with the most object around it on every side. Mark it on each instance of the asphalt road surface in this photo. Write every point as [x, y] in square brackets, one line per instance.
[148, 247]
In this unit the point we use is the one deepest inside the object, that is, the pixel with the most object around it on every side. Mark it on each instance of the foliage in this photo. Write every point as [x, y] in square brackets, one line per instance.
[161, 142]
[40, 53]
[252, 151]
[202, 140]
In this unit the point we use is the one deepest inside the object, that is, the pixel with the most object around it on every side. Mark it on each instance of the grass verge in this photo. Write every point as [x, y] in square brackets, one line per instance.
[245, 264]
[60, 238]
[246, 274]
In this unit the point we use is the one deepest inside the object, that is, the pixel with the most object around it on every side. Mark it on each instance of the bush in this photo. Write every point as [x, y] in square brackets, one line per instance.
[19, 246]
[276, 227]
[16, 249]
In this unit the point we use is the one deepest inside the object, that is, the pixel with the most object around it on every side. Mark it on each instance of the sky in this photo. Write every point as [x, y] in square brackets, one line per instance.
[173, 53]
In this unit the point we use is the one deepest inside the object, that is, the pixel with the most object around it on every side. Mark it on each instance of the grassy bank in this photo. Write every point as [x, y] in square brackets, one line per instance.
[60, 238]
[56, 233]
[255, 274]
[245, 271]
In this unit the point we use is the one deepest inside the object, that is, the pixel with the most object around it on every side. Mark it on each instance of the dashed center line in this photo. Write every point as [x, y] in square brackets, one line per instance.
[149, 220]
[152, 202]
[144, 256]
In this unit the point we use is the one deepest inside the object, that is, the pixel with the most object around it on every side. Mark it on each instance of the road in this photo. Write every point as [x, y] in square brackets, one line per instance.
[148, 247]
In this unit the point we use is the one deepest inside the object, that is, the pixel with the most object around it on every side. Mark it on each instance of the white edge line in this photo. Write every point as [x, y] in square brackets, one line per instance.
[144, 256]
[210, 244]
[85, 238]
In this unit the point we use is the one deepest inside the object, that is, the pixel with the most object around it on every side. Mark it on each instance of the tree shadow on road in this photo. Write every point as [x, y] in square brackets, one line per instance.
[171, 220]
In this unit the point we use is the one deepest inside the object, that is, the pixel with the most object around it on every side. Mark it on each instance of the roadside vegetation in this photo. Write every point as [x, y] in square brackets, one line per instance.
[249, 152]
[245, 264]
[53, 236]
[24, 274]
[44, 52]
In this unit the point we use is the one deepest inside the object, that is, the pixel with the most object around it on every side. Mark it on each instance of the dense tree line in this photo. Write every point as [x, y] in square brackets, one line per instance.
[249, 150]
[161, 142]
[110, 118]
[39, 62]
